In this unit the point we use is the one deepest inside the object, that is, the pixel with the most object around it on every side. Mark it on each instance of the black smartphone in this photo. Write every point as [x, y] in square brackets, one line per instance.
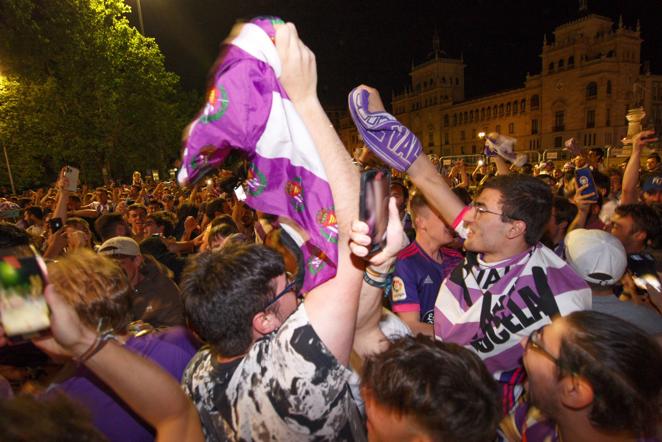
[584, 176]
[23, 310]
[55, 224]
[373, 205]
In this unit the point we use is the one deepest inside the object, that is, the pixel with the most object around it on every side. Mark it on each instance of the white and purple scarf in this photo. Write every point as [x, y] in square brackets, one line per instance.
[248, 109]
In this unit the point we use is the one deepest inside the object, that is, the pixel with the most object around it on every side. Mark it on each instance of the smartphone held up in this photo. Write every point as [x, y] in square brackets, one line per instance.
[23, 310]
[373, 205]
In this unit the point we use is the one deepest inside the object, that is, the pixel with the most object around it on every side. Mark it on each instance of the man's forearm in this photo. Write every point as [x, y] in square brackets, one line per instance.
[631, 177]
[426, 178]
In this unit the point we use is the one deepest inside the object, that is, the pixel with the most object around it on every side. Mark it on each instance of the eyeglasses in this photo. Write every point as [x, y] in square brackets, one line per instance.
[535, 343]
[290, 287]
[481, 209]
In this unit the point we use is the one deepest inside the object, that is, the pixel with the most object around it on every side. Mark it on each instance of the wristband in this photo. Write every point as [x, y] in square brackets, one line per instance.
[375, 283]
[100, 341]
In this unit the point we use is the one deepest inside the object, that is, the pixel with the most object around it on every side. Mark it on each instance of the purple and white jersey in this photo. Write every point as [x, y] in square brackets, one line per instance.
[491, 307]
[417, 279]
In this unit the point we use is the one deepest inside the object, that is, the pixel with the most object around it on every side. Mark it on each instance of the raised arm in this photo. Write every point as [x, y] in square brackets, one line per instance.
[145, 387]
[422, 172]
[332, 306]
[629, 192]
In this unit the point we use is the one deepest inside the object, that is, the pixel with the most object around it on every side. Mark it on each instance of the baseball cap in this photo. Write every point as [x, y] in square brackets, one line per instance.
[120, 245]
[597, 256]
[652, 183]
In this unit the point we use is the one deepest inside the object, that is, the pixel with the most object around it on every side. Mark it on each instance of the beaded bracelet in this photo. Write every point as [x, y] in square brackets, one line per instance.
[100, 341]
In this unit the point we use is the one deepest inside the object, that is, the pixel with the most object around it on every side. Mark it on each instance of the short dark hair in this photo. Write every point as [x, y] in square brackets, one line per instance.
[156, 203]
[524, 198]
[106, 225]
[564, 210]
[166, 220]
[443, 386]
[214, 206]
[599, 152]
[224, 290]
[602, 180]
[12, 236]
[223, 230]
[137, 206]
[401, 185]
[645, 218]
[622, 364]
[655, 156]
[223, 219]
[35, 211]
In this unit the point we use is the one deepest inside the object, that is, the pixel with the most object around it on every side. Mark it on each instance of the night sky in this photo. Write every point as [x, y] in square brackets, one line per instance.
[375, 42]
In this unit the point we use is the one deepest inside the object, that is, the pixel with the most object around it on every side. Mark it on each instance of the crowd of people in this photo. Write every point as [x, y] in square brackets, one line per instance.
[507, 303]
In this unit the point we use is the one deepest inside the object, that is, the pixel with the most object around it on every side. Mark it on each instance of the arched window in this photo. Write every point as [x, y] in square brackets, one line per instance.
[608, 87]
[454, 119]
[501, 110]
[466, 116]
[571, 61]
[443, 80]
[446, 120]
[523, 105]
[495, 111]
[471, 116]
[535, 102]
[461, 120]
[482, 114]
[515, 107]
[507, 108]
[551, 67]
[489, 112]
[592, 90]
[457, 81]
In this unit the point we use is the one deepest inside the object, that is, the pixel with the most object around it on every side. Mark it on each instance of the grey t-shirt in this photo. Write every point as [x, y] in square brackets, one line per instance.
[288, 387]
[641, 316]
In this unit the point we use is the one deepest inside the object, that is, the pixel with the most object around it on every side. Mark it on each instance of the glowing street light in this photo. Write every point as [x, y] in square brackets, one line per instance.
[481, 135]
[140, 17]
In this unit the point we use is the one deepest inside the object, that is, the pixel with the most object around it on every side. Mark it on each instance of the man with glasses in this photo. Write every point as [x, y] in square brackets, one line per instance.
[591, 376]
[509, 283]
[272, 370]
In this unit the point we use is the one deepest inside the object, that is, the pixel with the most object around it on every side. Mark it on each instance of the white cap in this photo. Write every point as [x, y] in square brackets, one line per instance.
[597, 256]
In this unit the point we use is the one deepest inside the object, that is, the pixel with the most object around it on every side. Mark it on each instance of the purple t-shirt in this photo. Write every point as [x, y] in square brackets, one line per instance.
[172, 349]
[417, 279]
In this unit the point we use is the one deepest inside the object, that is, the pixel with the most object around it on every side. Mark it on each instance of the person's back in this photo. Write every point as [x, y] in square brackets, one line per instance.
[172, 349]
[600, 259]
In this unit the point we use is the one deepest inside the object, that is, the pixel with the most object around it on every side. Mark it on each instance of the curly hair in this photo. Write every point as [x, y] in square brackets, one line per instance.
[622, 364]
[224, 290]
[95, 286]
[444, 387]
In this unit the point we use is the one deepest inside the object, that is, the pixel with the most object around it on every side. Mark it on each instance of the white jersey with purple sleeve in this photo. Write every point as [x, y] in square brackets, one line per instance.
[417, 279]
[491, 307]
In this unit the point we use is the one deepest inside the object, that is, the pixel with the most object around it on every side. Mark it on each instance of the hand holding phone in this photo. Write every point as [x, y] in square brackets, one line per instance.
[23, 309]
[373, 205]
[70, 178]
[584, 177]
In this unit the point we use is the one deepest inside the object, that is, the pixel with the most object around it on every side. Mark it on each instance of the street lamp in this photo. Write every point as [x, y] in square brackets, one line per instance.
[140, 17]
[481, 135]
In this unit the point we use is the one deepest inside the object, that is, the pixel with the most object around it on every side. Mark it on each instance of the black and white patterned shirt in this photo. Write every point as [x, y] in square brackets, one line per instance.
[288, 387]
